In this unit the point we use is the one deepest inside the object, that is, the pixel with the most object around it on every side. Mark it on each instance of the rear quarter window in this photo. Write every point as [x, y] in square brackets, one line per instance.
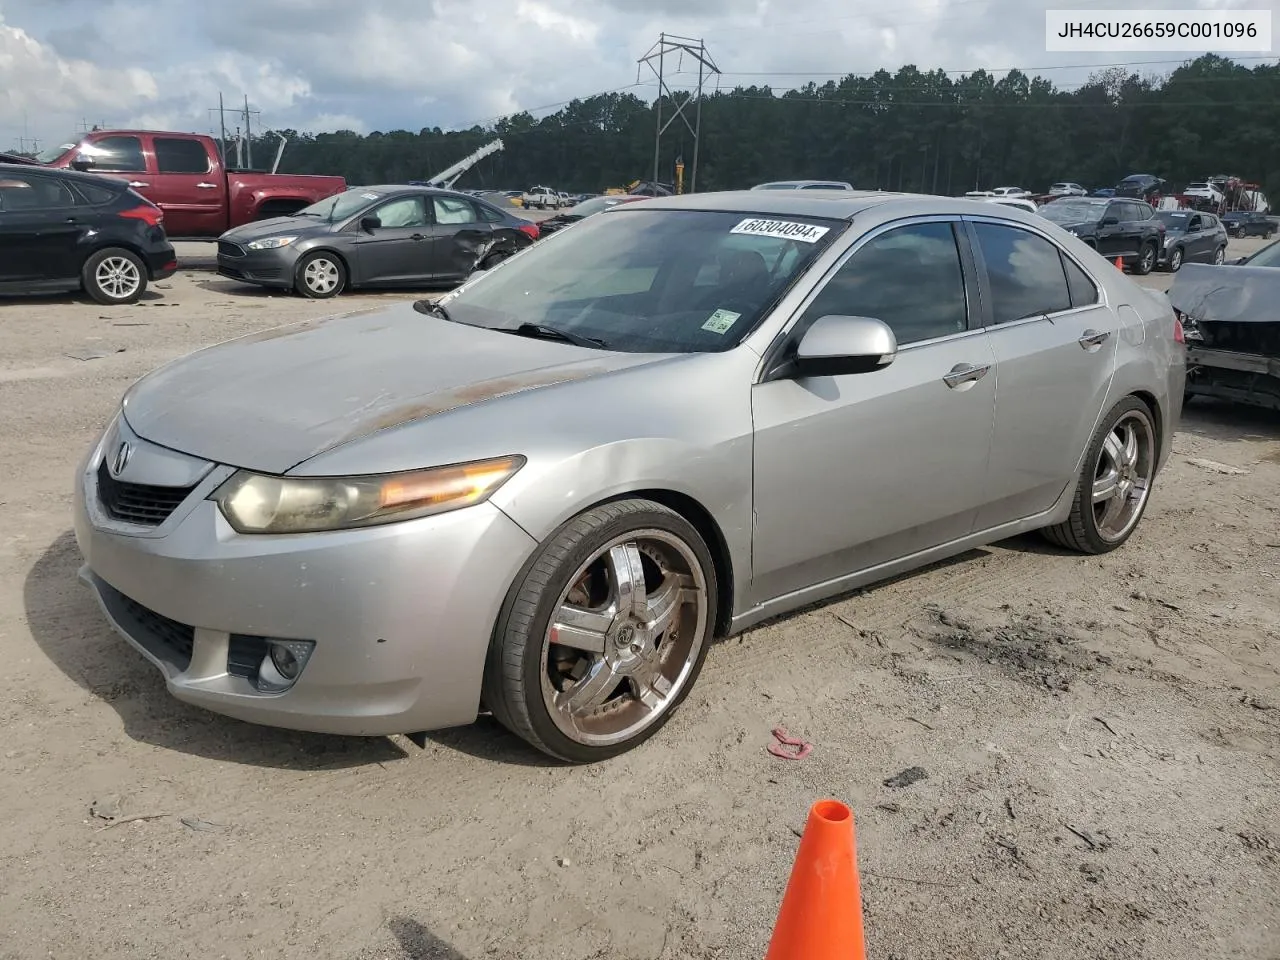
[94, 194]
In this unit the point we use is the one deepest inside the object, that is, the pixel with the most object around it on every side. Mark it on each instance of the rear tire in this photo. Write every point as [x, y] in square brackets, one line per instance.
[1146, 260]
[1114, 483]
[319, 276]
[114, 276]
[632, 585]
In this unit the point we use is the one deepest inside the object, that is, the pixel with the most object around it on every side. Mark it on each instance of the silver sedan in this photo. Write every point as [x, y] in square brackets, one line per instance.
[547, 494]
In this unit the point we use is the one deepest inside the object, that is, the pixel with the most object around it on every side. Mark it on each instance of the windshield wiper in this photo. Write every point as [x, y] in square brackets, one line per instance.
[537, 331]
[433, 306]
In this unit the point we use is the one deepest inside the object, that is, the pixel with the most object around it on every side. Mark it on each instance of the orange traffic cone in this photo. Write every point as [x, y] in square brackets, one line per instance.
[821, 914]
[1120, 264]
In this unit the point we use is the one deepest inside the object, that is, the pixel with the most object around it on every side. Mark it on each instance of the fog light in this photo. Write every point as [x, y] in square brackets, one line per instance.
[283, 664]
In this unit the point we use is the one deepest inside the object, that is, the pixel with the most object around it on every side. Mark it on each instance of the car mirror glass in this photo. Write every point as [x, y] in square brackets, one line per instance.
[370, 223]
[837, 345]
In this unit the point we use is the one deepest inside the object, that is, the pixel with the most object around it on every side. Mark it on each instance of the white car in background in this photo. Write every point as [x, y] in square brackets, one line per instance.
[1204, 190]
[541, 198]
[1011, 192]
[1067, 189]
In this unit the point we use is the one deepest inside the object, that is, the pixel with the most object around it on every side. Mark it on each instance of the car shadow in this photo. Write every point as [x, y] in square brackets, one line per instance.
[69, 628]
[1216, 419]
[418, 943]
[234, 288]
[75, 297]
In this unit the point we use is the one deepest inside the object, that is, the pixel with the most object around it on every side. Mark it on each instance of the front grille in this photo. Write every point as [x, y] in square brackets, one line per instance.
[228, 249]
[177, 637]
[138, 503]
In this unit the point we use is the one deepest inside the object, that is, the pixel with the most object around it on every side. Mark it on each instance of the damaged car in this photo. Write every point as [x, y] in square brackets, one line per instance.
[1231, 315]
[382, 236]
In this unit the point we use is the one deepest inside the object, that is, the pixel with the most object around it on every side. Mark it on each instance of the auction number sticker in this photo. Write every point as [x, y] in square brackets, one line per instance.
[781, 229]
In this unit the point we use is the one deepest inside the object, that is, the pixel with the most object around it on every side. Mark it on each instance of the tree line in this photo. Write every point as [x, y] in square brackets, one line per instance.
[910, 130]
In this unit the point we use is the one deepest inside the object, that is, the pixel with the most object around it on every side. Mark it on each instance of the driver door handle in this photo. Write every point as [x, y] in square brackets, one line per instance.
[206, 186]
[418, 236]
[963, 373]
[1093, 338]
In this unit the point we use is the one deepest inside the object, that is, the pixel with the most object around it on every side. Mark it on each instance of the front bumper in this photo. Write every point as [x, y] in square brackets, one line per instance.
[266, 268]
[401, 614]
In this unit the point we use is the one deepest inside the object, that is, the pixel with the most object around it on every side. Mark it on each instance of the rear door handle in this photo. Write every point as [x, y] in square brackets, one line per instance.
[963, 373]
[1093, 338]
[138, 183]
[206, 186]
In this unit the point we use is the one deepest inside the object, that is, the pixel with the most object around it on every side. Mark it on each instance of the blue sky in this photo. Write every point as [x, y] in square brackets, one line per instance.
[385, 64]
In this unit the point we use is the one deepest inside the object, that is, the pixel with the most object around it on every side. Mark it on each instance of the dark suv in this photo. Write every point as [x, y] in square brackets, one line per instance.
[1191, 237]
[61, 230]
[1113, 226]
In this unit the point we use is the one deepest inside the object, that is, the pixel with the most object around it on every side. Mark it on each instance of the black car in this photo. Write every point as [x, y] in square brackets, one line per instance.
[1139, 186]
[1191, 237]
[61, 230]
[1242, 223]
[388, 236]
[581, 211]
[1113, 226]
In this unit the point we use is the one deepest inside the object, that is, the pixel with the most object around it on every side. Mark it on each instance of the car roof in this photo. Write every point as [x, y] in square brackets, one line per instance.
[832, 204]
[73, 175]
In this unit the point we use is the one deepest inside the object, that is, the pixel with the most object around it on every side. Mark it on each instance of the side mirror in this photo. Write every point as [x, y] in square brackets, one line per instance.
[369, 224]
[836, 346]
[1109, 221]
[82, 162]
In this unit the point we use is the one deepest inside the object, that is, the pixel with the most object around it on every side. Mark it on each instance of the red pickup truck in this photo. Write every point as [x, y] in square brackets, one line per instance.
[183, 174]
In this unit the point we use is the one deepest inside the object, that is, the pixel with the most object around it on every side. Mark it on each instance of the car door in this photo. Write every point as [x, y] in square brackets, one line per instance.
[400, 249]
[1197, 239]
[1134, 226]
[185, 188]
[1054, 343]
[460, 237]
[1112, 238]
[40, 229]
[121, 157]
[851, 472]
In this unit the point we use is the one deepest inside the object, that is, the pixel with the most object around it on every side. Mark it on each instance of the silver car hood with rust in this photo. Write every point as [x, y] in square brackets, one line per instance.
[270, 401]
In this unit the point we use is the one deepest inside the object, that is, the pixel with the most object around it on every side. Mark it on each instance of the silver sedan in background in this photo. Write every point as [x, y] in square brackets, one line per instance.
[547, 494]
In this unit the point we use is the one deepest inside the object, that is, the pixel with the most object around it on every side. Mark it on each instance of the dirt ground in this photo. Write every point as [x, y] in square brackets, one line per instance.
[1100, 739]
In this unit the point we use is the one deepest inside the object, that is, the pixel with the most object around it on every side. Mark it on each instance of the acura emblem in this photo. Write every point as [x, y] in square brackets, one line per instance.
[123, 452]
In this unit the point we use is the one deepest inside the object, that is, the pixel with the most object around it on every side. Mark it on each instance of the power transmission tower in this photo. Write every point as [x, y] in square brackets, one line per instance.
[670, 45]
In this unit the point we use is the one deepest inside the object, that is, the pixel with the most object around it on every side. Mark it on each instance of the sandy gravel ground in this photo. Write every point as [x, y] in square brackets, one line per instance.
[1100, 739]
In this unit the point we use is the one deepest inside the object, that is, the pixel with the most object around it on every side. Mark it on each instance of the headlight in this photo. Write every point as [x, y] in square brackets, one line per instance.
[270, 243]
[257, 503]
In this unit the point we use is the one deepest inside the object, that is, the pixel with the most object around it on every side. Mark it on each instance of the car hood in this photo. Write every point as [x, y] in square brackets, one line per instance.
[276, 227]
[271, 400]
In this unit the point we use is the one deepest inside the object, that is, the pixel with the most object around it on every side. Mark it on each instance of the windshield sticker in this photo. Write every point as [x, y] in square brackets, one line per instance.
[370, 196]
[781, 229]
[721, 321]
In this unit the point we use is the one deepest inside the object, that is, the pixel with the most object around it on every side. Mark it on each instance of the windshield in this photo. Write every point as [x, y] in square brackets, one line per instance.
[1266, 257]
[1072, 211]
[50, 154]
[650, 281]
[1174, 220]
[342, 206]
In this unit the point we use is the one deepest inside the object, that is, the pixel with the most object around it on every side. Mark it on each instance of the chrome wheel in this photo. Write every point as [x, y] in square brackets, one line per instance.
[1122, 475]
[1219, 256]
[625, 638]
[321, 275]
[118, 277]
[1175, 259]
[1148, 259]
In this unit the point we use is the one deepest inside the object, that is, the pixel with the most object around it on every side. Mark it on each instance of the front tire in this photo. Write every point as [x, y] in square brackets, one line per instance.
[604, 632]
[1220, 256]
[1175, 259]
[320, 276]
[1115, 481]
[114, 276]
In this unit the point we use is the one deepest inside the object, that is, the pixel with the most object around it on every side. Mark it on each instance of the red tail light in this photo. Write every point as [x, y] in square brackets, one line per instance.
[1179, 335]
[148, 213]
[531, 229]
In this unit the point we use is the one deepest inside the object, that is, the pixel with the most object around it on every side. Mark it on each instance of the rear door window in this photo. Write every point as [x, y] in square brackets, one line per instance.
[20, 193]
[116, 154]
[180, 155]
[1024, 271]
[453, 210]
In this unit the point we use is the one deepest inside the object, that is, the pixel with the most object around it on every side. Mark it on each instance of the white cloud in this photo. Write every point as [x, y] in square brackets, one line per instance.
[383, 64]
